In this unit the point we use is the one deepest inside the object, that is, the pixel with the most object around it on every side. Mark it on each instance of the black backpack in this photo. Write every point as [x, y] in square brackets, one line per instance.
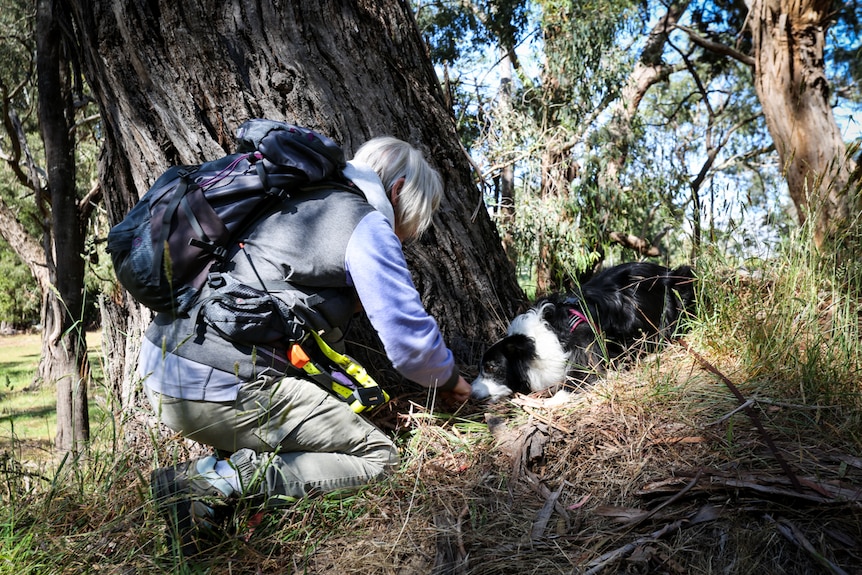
[180, 230]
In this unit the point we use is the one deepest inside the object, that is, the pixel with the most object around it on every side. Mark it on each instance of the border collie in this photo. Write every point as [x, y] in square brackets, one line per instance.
[568, 340]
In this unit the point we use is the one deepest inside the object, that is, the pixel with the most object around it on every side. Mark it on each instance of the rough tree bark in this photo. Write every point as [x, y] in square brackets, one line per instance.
[25, 247]
[174, 80]
[790, 79]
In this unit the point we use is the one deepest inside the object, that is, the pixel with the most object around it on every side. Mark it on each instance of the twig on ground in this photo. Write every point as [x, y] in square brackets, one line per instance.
[675, 497]
[794, 535]
[544, 515]
[752, 414]
[727, 416]
[602, 561]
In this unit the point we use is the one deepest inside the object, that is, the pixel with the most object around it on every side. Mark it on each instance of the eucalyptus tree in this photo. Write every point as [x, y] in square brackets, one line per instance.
[788, 49]
[464, 38]
[760, 79]
[174, 81]
[642, 116]
[21, 214]
[548, 127]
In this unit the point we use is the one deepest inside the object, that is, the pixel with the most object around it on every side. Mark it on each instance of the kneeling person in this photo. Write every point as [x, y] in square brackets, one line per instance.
[288, 437]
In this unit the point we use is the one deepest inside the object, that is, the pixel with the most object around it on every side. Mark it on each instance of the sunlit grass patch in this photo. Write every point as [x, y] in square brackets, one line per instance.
[28, 414]
[793, 329]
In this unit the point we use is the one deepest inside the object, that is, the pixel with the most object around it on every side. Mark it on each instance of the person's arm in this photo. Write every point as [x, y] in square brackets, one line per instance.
[378, 271]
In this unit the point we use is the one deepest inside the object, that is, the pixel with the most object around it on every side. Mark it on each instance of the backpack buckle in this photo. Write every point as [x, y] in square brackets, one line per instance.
[216, 280]
[217, 251]
[369, 396]
[279, 193]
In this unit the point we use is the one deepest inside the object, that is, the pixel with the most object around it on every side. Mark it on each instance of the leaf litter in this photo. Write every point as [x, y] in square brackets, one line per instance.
[627, 479]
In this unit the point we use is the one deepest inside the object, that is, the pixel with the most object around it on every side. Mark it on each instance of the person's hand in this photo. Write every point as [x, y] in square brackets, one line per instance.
[458, 394]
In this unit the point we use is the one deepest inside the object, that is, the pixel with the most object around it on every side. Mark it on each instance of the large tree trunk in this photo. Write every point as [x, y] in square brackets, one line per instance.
[790, 80]
[175, 80]
[64, 349]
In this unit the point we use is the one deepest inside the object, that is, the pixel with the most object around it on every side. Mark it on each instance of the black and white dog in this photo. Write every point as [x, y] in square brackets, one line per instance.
[567, 340]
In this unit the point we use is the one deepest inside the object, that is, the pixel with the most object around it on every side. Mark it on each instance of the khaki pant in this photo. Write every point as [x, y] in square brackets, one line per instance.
[307, 440]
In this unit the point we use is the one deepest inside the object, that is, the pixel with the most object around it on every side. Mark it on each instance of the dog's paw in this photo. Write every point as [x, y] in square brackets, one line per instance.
[562, 397]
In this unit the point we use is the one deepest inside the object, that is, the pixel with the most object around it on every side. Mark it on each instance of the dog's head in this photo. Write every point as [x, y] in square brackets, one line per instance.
[503, 369]
[529, 358]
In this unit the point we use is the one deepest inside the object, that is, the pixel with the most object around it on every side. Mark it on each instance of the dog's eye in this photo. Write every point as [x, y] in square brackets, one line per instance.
[492, 366]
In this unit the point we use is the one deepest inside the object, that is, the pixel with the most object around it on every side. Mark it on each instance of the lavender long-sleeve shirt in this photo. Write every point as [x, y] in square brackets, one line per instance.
[378, 271]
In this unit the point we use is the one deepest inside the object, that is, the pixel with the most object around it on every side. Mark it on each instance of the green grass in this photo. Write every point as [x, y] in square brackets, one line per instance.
[792, 324]
[28, 417]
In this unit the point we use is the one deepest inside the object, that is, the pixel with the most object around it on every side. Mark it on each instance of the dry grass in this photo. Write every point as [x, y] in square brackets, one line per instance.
[649, 472]
[654, 470]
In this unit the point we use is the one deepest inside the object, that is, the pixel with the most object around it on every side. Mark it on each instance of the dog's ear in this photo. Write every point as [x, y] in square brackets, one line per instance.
[520, 345]
[559, 315]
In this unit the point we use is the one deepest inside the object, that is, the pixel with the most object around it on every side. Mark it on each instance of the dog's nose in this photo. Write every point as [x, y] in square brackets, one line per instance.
[486, 388]
[478, 389]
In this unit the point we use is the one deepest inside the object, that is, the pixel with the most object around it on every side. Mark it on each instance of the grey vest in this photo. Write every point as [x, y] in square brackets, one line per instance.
[297, 252]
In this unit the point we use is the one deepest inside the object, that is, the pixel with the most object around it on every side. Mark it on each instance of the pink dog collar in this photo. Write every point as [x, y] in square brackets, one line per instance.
[577, 319]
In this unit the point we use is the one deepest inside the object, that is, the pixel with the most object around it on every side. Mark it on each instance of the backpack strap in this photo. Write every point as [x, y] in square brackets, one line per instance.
[336, 183]
[279, 193]
[202, 241]
[168, 215]
[337, 373]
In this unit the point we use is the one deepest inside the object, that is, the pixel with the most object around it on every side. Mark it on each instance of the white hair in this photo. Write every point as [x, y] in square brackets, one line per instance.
[422, 191]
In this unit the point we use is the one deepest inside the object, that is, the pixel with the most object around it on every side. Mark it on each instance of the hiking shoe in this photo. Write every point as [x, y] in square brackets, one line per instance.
[194, 501]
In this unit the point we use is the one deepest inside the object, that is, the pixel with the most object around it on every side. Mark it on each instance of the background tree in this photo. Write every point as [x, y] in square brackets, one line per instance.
[467, 32]
[19, 298]
[21, 216]
[64, 352]
[788, 44]
[174, 81]
[46, 227]
[645, 119]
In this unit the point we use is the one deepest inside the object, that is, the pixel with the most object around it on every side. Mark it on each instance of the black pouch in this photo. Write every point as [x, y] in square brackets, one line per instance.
[247, 315]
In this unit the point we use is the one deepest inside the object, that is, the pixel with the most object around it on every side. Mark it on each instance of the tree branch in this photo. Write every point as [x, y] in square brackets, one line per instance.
[89, 202]
[716, 47]
[631, 241]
